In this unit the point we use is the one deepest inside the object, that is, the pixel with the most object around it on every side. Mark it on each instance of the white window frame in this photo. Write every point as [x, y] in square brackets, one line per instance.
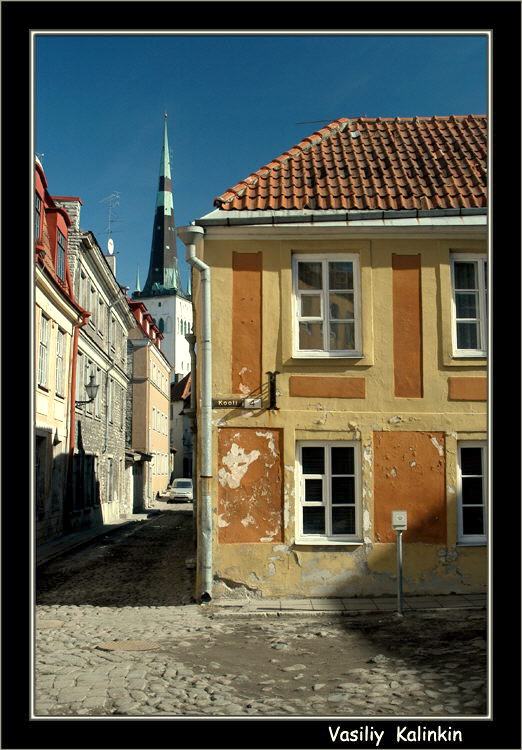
[43, 354]
[472, 539]
[60, 362]
[327, 538]
[326, 258]
[479, 259]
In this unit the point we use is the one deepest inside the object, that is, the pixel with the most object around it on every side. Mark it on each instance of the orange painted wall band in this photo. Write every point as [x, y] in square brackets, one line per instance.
[409, 474]
[467, 389]
[407, 326]
[328, 387]
[247, 271]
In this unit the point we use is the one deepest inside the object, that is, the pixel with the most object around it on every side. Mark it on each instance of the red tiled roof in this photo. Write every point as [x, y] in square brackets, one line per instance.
[378, 163]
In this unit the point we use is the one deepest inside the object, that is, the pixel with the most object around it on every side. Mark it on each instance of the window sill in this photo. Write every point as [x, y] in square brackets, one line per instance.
[327, 355]
[483, 543]
[60, 396]
[43, 388]
[470, 355]
[325, 542]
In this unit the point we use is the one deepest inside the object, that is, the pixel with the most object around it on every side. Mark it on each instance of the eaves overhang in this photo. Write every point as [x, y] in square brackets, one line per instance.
[333, 216]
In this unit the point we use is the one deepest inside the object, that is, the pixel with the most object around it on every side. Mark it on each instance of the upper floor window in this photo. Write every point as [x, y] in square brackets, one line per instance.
[60, 354]
[469, 275]
[472, 487]
[37, 216]
[60, 256]
[328, 491]
[326, 299]
[43, 357]
[93, 306]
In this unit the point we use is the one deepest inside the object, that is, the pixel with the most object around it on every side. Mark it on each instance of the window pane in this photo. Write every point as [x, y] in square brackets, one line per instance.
[341, 275]
[467, 336]
[310, 275]
[311, 336]
[471, 460]
[466, 303]
[311, 306]
[465, 277]
[313, 460]
[342, 460]
[342, 336]
[472, 491]
[341, 306]
[313, 520]
[343, 490]
[473, 520]
[313, 490]
[343, 520]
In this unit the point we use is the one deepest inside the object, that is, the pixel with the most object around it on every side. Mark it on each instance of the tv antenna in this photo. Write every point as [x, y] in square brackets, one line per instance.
[112, 201]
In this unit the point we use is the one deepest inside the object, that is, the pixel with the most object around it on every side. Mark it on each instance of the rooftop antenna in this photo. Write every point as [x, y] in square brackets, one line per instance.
[112, 201]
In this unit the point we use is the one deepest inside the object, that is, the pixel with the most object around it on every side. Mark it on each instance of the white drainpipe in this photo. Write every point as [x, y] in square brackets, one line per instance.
[191, 236]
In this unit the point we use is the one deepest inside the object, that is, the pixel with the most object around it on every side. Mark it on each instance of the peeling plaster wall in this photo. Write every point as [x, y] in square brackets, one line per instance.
[250, 503]
[245, 563]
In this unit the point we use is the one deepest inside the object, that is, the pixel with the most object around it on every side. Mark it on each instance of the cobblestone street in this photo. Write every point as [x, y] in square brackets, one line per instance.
[117, 634]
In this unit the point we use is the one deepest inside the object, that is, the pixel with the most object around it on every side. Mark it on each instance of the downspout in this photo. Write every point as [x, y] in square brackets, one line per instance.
[191, 236]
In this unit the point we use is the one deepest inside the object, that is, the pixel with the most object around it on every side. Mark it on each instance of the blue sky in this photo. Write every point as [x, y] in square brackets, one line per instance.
[233, 102]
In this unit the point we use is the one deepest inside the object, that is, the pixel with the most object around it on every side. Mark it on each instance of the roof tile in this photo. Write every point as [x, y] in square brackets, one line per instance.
[365, 163]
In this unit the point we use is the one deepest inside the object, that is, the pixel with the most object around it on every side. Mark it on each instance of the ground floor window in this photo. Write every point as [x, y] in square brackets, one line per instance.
[328, 491]
[472, 492]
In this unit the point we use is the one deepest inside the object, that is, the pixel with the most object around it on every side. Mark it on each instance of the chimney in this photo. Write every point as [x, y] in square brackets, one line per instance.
[72, 206]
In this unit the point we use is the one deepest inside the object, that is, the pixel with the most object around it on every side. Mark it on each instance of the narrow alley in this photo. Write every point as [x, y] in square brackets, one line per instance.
[117, 633]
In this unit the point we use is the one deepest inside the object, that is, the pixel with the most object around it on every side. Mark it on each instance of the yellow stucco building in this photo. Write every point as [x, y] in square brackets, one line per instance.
[348, 301]
[150, 405]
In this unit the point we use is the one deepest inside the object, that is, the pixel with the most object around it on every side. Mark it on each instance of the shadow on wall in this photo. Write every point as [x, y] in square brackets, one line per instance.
[84, 504]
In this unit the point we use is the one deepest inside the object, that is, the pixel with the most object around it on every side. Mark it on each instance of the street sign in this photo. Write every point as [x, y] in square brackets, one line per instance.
[227, 403]
[252, 403]
[237, 403]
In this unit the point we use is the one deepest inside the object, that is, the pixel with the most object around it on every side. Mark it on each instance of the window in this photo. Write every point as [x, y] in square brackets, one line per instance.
[84, 291]
[472, 488]
[60, 353]
[101, 317]
[469, 275]
[79, 372]
[328, 492]
[37, 216]
[92, 307]
[326, 298]
[88, 372]
[109, 398]
[113, 333]
[60, 256]
[43, 356]
[97, 410]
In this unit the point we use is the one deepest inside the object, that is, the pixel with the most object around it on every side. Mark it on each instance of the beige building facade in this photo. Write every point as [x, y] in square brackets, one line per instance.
[365, 339]
[151, 399]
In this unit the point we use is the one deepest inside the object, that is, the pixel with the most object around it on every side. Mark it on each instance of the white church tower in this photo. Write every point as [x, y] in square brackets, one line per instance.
[163, 294]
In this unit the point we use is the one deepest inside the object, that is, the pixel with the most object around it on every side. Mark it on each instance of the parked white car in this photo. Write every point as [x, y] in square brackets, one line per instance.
[181, 490]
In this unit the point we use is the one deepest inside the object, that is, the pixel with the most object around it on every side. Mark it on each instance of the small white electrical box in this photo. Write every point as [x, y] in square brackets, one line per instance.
[252, 403]
[399, 520]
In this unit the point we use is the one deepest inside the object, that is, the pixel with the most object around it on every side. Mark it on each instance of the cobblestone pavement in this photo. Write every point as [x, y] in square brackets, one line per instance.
[115, 635]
